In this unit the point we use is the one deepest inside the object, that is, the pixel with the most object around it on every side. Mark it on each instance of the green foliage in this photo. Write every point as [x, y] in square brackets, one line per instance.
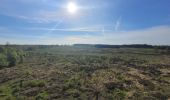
[119, 94]
[42, 96]
[3, 60]
[10, 56]
[6, 93]
[73, 83]
[34, 83]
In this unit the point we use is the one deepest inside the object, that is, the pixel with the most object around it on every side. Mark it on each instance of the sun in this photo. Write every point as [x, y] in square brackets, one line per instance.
[72, 7]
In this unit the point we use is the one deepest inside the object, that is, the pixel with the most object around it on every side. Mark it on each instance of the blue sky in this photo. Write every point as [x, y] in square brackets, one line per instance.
[95, 22]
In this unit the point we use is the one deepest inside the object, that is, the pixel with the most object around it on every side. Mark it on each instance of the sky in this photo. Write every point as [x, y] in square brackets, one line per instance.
[93, 22]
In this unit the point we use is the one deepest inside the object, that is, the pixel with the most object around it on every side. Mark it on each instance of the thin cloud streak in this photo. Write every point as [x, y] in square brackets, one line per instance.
[71, 29]
[158, 35]
[118, 23]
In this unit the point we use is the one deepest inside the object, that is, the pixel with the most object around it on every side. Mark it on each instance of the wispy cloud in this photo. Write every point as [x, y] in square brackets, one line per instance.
[37, 18]
[70, 29]
[158, 35]
[118, 23]
[92, 28]
[34, 11]
[32, 1]
[8, 33]
[40, 11]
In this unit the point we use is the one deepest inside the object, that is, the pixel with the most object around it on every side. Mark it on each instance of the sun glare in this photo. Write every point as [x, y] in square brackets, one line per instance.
[72, 7]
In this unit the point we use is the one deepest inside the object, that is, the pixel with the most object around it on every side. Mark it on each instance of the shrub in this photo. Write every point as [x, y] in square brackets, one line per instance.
[3, 60]
[34, 83]
[10, 56]
[42, 96]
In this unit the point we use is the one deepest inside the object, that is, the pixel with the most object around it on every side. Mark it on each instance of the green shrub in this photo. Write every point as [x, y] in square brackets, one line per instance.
[42, 96]
[74, 83]
[115, 94]
[6, 93]
[34, 83]
[10, 56]
[3, 60]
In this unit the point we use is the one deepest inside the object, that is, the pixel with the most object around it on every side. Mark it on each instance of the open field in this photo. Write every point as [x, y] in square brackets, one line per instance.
[87, 73]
